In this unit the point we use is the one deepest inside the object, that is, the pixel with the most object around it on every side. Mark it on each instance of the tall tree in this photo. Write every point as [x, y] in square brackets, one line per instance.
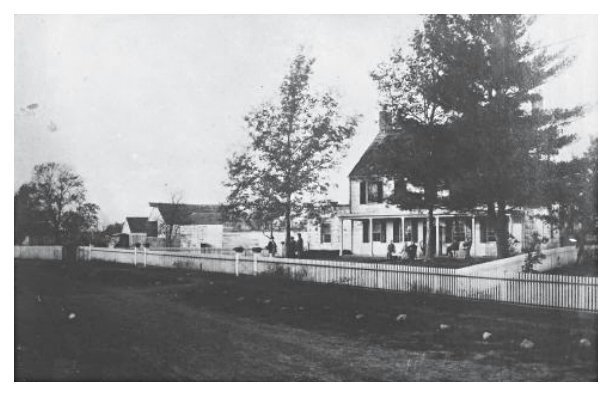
[55, 201]
[492, 78]
[417, 151]
[292, 144]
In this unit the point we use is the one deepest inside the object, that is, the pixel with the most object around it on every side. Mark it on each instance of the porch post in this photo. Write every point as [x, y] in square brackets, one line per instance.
[341, 237]
[403, 230]
[352, 236]
[473, 236]
[371, 235]
[437, 236]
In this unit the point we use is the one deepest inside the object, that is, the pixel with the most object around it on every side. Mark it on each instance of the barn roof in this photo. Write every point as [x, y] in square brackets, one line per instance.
[141, 225]
[189, 214]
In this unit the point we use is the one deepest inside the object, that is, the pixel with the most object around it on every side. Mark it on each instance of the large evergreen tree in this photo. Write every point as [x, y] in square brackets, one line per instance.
[492, 79]
[416, 152]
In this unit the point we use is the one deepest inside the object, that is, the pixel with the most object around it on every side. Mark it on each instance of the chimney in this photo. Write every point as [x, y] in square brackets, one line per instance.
[385, 122]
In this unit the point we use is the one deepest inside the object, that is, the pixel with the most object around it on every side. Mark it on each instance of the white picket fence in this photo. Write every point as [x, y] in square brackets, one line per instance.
[557, 291]
[49, 252]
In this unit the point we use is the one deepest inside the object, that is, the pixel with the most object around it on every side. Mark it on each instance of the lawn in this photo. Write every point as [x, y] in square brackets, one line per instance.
[587, 269]
[115, 322]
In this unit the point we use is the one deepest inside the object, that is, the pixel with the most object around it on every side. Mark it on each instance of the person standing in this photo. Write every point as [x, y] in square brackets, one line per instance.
[391, 250]
[299, 246]
[271, 247]
[291, 247]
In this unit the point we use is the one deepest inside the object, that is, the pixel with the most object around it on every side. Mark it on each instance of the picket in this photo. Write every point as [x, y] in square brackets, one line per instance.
[557, 291]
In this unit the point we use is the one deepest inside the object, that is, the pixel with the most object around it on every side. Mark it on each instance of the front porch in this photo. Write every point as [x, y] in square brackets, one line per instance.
[370, 235]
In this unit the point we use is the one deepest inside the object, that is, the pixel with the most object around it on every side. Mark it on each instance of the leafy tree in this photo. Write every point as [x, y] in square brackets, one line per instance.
[113, 228]
[492, 79]
[417, 152]
[292, 143]
[53, 205]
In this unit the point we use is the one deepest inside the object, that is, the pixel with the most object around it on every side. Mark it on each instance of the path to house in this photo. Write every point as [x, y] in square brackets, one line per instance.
[169, 324]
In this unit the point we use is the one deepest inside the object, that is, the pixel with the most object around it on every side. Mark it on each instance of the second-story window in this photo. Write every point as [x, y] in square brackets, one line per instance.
[375, 192]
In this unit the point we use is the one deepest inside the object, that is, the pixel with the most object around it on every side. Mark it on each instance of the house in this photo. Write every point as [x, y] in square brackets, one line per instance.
[369, 223]
[190, 225]
[136, 230]
[325, 234]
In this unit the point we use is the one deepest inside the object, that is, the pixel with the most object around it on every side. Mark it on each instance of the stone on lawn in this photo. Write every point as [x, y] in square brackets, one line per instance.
[401, 317]
[444, 327]
[267, 301]
[71, 316]
[300, 308]
[359, 316]
[486, 336]
[240, 299]
[527, 344]
[584, 342]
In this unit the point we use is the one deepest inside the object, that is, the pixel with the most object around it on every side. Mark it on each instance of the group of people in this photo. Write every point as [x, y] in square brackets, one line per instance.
[294, 248]
[409, 250]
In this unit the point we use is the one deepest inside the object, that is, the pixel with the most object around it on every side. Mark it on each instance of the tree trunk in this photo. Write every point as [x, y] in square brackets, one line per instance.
[501, 231]
[428, 254]
[287, 237]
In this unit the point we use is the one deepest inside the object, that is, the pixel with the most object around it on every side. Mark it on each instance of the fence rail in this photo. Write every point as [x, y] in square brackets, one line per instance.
[547, 290]
[49, 252]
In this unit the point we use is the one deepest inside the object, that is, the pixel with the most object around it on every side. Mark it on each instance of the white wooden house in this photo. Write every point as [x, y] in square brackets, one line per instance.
[369, 223]
[193, 224]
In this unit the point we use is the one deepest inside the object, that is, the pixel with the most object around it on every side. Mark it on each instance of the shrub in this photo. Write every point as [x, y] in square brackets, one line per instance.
[239, 250]
[257, 250]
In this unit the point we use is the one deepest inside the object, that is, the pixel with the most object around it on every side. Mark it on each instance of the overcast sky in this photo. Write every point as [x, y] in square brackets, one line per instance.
[141, 106]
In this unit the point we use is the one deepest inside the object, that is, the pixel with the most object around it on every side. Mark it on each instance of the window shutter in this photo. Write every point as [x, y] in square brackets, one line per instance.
[482, 230]
[380, 192]
[366, 231]
[322, 228]
[382, 231]
[363, 192]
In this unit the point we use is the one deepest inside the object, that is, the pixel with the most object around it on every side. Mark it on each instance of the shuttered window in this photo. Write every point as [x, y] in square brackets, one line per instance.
[363, 187]
[365, 231]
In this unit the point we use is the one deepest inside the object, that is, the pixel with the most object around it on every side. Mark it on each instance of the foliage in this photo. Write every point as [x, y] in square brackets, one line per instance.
[292, 144]
[52, 206]
[492, 75]
[418, 152]
[534, 254]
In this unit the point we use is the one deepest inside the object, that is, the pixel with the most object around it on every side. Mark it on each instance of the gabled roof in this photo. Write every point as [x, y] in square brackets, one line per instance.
[189, 214]
[366, 167]
[142, 225]
[137, 224]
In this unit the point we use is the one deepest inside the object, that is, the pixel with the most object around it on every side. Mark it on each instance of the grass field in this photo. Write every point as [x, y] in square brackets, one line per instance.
[114, 322]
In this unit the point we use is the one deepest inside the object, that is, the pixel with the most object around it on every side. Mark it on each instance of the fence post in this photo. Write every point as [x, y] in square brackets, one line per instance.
[89, 256]
[254, 263]
[135, 257]
[144, 256]
[237, 264]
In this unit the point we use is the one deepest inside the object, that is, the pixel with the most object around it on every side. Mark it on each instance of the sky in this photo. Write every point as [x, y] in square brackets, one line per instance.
[142, 106]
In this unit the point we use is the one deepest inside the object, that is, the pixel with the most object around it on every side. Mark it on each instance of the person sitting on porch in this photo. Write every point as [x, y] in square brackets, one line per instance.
[453, 248]
[391, 250]
[467, 247]
[413, 250]
[404, 254]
